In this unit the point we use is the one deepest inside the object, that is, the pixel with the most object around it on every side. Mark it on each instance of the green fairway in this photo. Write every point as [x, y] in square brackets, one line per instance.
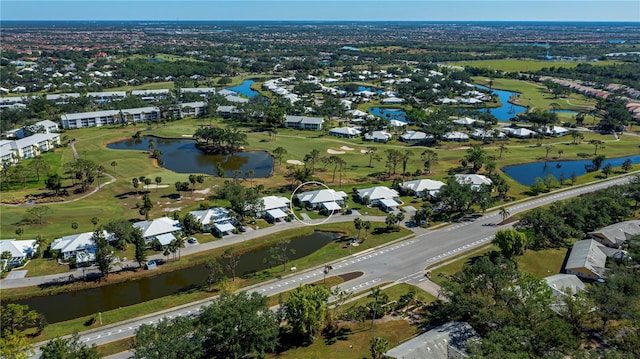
[516, 65]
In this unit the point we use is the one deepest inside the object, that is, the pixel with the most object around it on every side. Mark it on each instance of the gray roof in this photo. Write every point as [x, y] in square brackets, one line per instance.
[587, 254]
[616, 234]
[304, 119]
[435, 343]
[107, 94]
[563, 283]
[107, 113]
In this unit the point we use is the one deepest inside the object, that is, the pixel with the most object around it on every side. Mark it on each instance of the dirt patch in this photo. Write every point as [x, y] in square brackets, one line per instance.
[508, 220]
[350, 276]
[203, 191]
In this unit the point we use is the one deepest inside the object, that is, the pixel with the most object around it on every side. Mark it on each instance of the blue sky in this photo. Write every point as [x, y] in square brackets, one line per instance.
[426, 10]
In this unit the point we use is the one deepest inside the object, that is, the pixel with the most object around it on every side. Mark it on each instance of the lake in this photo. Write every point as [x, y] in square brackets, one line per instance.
[70, 305]
[507, 111]
[389, 113]
[182, 156]
[526, 173]
[245, 89]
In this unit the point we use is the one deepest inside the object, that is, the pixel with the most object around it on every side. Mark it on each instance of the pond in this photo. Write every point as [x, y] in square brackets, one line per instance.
[245, 89]
[389, 113]
[507, 111]
[526, 173]
[66, 306]
[182, 156]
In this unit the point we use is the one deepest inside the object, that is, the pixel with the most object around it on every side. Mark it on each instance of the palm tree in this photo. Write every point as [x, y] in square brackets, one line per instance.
[158, 181]
[375, 293]
[114, 164]
[250, 174]
[504, 213]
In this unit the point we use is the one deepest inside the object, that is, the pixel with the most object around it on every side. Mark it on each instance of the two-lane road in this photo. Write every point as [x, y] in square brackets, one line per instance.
[401, 261]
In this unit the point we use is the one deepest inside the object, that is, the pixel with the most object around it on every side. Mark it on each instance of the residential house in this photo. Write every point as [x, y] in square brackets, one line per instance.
[520, 132]
[381, 196]
[345, 132]
[446, 341]
[481, 135]
[556, 131]
[586, 260]
[476, 181]
[464, 121]
[217, 218]
[561, 286]
[416, 137]
[456, 136]
[109, 117]
[617, 234]
[20, 251]
[275, 208]
[162, 229]
[378, 136]
[78, 247]
[422, 187]
[392, 100]
[14, 101]
[303, 122]
[328, 199]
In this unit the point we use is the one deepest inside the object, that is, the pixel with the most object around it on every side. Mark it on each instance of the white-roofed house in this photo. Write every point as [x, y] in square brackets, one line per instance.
[28, 147]
[392, 100]
[464, 121]
[20, 250]
[378, 136]
[345, 132]
[456, 136]
[422, 187]
[556, 131]
[80, 247]
[328, 199]
[154, 228]
[521, 133]
[561, 286]
[209, 217]
[384, 197]
[198, 108]
[275, 208]
[416, 137]
[476, 181]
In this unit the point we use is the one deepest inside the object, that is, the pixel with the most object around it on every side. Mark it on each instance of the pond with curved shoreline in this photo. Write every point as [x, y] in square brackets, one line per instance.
[70, 305]
[526, 174]
[182, 156]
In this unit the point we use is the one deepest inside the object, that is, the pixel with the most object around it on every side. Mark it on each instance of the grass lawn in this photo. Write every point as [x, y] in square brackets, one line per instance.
[515, 65]
[354, 343]
[542, 263]
[535, 95]
[114, 347]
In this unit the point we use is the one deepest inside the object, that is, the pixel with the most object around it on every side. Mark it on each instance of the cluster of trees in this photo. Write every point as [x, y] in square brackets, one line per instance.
[511, 310]
[15, 321]
[459, 197]
[220, 140]
[555, 226]
[238, 325]
[625, 73]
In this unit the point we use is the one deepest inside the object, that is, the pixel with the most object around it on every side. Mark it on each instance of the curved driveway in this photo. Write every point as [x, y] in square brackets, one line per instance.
[400, 261]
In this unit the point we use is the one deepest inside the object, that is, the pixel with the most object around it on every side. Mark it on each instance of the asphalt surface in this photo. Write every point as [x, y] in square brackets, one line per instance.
[400, 261]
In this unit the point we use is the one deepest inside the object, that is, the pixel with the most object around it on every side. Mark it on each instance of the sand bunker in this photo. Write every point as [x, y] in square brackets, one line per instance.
[295, 162]
[346, 148]
[364, 151]
[334, 152]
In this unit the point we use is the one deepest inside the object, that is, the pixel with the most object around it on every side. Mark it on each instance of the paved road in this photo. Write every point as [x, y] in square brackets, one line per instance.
[401, 261]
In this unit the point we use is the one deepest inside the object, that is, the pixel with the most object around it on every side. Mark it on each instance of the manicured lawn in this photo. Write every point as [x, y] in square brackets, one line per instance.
[115, 347]
[542, 263]
[354, 343]
[535, 95]
[515, 65]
